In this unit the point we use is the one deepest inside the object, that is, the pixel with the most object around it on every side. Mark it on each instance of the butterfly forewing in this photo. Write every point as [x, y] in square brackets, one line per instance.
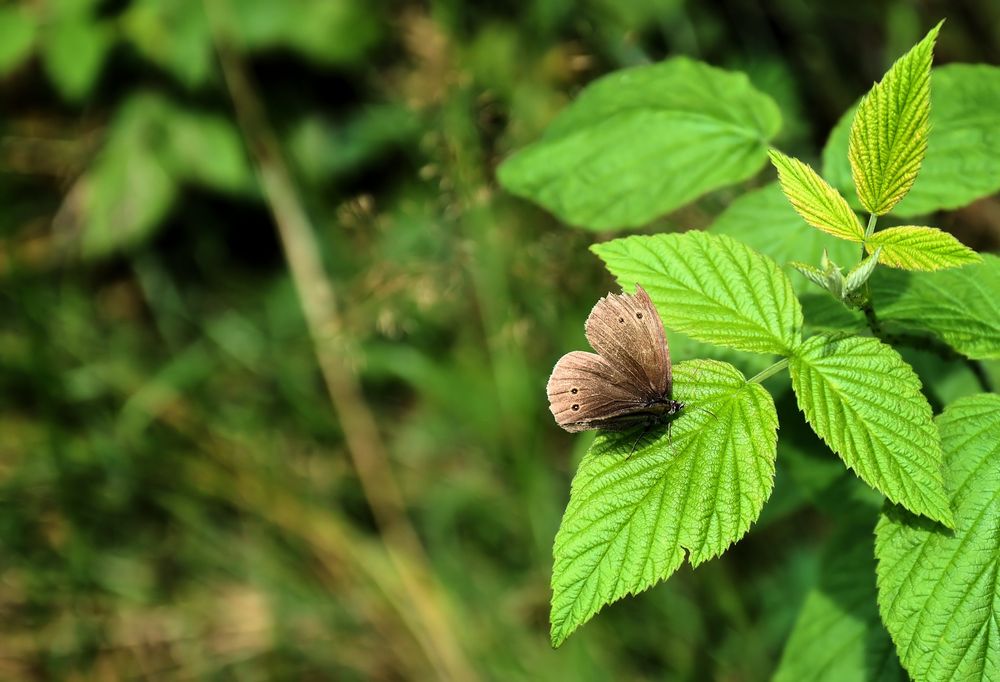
[588, 392]
[627, 331]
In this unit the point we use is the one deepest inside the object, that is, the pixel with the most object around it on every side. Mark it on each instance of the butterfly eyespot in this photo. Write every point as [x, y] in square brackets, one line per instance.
[574, 391]
[575, 407]
[639, 315]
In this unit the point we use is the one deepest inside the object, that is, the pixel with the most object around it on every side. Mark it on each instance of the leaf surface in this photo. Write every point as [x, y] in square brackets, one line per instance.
[938, 590]
[643, 141]
[963, 148]
[838, 636]
[697, 488]
[817, 202]
[920, 248]
[865, 402]
[960, 305]
[712, 288]
[888, 137]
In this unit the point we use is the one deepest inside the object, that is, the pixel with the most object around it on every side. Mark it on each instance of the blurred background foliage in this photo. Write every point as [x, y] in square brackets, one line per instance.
[176, 495]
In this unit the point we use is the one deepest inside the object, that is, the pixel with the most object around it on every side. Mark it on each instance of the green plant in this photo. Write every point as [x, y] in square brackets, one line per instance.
[646, 140]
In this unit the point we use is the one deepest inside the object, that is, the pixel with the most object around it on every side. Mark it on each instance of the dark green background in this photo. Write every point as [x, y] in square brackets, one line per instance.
[176, 496]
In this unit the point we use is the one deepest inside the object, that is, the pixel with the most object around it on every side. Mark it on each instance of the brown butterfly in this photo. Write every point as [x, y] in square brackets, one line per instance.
[629, 382]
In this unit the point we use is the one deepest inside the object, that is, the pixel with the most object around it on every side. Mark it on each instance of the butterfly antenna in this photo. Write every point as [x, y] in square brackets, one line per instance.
[709, 411]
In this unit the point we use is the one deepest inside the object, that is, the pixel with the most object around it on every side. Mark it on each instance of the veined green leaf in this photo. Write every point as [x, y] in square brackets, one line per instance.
[860, 273]
[643, 141]
[865, 402]
[920, 248]
[959, 305]
[697, 488]
[712, 288]
[811, 273]
[963, 149]
[765, 221]
[938, 591]
[889, 133]
[818, 203]
[838, 636]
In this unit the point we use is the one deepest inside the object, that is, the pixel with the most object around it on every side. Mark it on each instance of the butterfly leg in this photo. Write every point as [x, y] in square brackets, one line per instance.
[645, 430]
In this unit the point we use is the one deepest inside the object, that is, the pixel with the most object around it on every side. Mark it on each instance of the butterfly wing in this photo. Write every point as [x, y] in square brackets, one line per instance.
[626, 330]
[588, 392]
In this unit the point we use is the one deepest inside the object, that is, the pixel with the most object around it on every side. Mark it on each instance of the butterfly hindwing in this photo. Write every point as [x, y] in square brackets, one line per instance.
[587, 392]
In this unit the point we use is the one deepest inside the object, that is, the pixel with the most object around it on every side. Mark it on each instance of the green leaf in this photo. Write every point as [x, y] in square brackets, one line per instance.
[325, 150]
[698, 488]
[889, 134]
[174, 35]
[865, 402]
[331, 33]
[18, 28]
[824, 313]
[963, 149]
[859, 274]
[960, 305]
[125, 194]
[811, 273]
[818, 203]
[938, 591]
[73, 52]
[765, 221]
[838, 636]
[206, 149]
[643, 141]
[920, 248]
[712, 288]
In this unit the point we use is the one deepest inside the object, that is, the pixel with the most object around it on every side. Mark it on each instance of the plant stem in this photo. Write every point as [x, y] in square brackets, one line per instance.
[769, 371]
[432, 628]
[870, 317]
[869, 231]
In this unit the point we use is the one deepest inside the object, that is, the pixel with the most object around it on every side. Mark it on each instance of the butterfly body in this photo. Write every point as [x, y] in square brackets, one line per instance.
[628, 382]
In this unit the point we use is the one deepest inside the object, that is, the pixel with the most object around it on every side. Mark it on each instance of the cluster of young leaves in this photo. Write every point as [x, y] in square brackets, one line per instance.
[699, 487]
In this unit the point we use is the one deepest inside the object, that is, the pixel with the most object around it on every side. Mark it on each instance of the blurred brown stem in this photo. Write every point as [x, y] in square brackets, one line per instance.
[316, 293]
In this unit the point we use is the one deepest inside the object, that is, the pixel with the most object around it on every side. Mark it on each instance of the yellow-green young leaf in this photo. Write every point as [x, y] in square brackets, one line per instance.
[937, 590]
[765, 221]
[963, 149]
[960, 305]
[818, 203]
[920, 248]
[865, 402]
[710, 287]
[889, 133]
[697, 488]
[838, 636]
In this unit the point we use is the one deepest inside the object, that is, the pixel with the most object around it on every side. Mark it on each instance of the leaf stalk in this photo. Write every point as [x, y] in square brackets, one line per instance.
[768, 372]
